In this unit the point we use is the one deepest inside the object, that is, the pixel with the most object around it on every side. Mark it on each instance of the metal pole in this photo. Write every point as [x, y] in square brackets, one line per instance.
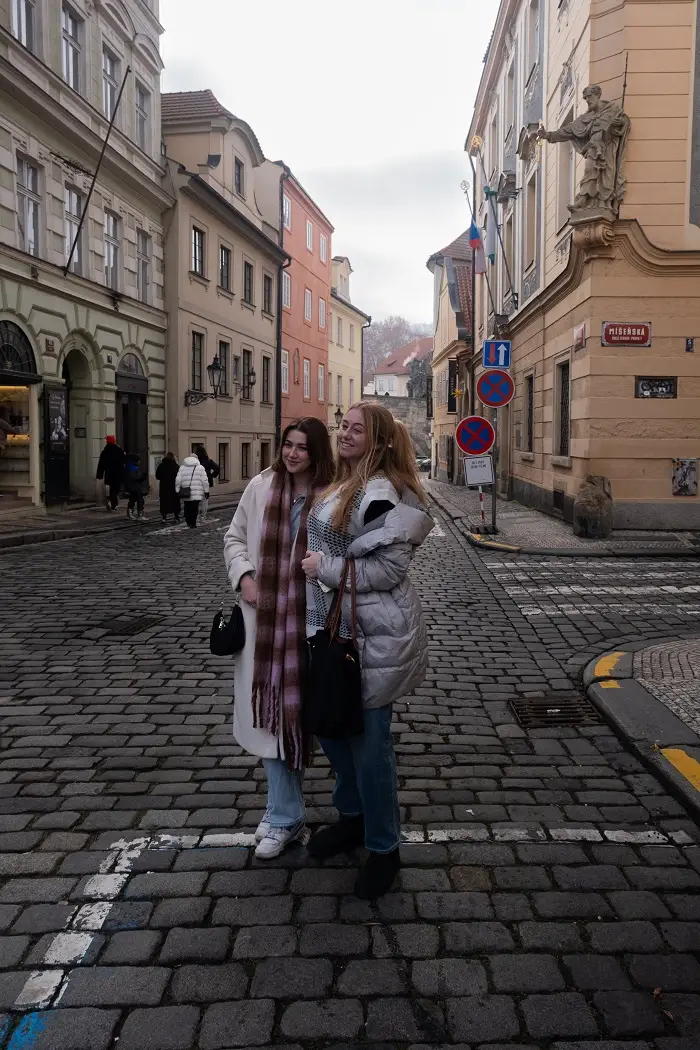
[495, 473]
[481, 508]
[66, 268]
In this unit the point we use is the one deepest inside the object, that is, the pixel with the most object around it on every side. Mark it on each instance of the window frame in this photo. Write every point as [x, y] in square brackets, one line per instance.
[323, 247]
[321, 313]
[530, 232]
[308, 305]
[529, 413]
[339, 334]
[72, 46]
[306, 371]
[24, 29]
[266, 385]
[248, 283]
[112, 241]
[71, 224]
[225, 258]
[286, 290]
[351, 337]
[28, 199]
[309, 235]
[224, 355]
[196, 360]
[144, 246]
[239, 179]
[351, 391]
[198, 251]
[286, 211]
[562, 439]
[110, 81]
[223, 446]
[268, 295]
[321, 383]
[246, 369]
[142, 116]
[245, 460]
[284, 369]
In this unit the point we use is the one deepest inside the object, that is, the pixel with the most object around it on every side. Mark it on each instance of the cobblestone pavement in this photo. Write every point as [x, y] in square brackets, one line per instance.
[528, 528]
[671, 673]
[549, 894]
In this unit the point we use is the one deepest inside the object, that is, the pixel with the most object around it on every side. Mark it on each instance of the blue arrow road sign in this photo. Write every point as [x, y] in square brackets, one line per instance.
[496, 353]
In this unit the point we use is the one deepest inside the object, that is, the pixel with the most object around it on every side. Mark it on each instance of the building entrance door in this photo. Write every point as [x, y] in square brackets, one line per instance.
[132, 409]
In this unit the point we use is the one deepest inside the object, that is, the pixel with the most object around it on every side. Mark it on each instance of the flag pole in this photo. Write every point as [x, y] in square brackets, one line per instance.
[489, 196]
[486, 275]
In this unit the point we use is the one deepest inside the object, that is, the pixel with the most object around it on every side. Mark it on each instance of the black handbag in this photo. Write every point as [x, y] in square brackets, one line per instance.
[186, 490]
[227, 637]
[333, 701]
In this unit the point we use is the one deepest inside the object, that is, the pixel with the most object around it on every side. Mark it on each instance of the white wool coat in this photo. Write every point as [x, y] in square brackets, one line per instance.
[241, 554]
[192, 474]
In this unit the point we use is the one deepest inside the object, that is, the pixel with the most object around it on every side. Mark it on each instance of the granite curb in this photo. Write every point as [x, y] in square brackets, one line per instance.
[667, 746]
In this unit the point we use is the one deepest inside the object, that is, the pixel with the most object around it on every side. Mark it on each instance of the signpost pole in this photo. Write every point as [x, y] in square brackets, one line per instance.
[495, 472]
[481, 508]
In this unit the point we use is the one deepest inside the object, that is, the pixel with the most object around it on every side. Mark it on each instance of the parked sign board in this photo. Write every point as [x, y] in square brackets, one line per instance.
[626, 333]
[478, 470]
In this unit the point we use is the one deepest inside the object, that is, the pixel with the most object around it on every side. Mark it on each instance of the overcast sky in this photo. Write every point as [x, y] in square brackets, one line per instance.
[369, 103]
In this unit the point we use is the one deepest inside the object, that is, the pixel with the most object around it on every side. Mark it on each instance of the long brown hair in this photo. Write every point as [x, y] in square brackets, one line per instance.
[389, 452]
[318, 445]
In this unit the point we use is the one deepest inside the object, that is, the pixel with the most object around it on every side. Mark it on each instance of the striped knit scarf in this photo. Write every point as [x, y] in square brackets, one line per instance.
[281, 624]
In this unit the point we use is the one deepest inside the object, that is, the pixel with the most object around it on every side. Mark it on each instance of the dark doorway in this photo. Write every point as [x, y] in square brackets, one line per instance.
[56, 444]
[132, 408]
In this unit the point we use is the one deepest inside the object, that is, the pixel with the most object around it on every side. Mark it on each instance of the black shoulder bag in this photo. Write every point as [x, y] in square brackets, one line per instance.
[333, 701]
[227, 637]
[186, 490]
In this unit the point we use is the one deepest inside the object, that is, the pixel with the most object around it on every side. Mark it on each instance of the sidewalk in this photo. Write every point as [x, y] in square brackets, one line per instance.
[651, 695]
[34, 526]
[529, 531]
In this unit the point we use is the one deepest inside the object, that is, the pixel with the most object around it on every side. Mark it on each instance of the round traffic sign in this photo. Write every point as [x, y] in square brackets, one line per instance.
[495, 388]
[475, 435]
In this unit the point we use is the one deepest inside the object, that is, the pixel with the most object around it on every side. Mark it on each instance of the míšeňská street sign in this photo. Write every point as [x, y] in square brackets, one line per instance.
[495, 388]
[626, 333]
[475, 435]
[496, 353]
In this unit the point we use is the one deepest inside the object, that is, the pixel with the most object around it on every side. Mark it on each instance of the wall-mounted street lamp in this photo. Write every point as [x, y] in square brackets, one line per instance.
[338, 418]
[216, 374]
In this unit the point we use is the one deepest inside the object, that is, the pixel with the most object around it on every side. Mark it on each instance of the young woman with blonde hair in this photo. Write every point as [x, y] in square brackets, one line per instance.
[374, 514]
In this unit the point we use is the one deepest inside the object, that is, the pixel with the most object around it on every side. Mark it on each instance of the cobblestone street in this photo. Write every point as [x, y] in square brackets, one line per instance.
[549, 895]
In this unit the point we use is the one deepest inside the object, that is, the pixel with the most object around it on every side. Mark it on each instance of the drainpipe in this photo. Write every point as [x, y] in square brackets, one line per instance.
[278, 349]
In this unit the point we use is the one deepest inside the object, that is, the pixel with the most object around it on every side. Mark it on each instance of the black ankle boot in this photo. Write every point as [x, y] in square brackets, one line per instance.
[377, 876]
[342, 837]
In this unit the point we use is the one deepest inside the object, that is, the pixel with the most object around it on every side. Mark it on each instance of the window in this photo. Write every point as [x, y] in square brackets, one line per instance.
[198, 242]
[266, 371]
[143, 110]
[264, 455]
[307, 379]
[287, 212]
[245, 459]
[246, 385]
[223, 462]
[564, 411]
[307, 304]
[239, 176]
[267, 294]
[529, 413]
[286, 290]
[322, 313]
[492, 145]
[339, 340]
[285, 371]
[323, 247]
[248, 283]
[352, 336]
[531, 222]
[321, 383]
[309, 235]
[197, 353]
[224, 359]
[508, 250]
[73, 204]
[71, 27]
[510, 98]
[339, 400]
[533, 34]
[566, 177]
[110, 82]
[351, 392]
[330, 387]
[24, 22]
[143, 265]
[392, 386]
[224, 268]
[28, 206]
[330, 327]
[111, 232]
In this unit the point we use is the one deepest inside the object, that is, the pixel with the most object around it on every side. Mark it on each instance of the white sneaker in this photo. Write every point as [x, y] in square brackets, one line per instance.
[278, 839]
[263, 829]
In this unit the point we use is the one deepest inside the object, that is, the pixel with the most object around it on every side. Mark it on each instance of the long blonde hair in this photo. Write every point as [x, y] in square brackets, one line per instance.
[389, 452]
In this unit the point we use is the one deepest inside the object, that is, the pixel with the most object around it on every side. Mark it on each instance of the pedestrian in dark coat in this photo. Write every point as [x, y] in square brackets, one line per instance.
[136, 485]
[110, 468]
[213, 471]
[166, 472]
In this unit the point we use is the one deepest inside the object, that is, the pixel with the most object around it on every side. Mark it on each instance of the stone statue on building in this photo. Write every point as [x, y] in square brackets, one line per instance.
[600, 135]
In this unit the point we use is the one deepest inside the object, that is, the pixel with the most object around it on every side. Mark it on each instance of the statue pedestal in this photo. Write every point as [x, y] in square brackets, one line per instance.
[594, 232]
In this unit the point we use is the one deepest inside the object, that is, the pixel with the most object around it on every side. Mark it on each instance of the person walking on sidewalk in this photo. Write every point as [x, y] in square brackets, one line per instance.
[136, 485]
[192, 484]
[213, 472]
[110, 469]
[263, 549]
[373, 513]
[166, 473]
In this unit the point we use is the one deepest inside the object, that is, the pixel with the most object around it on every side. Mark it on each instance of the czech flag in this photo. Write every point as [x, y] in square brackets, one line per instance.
[478, 248]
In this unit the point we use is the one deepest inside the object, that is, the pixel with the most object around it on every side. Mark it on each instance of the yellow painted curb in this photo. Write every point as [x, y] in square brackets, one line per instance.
[686, 765]
[608, 683]
[606, 665]
[494, 544]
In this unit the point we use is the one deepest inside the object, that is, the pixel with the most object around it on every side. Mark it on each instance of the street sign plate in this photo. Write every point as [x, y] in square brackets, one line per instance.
[495, 388]
[496, 353]
[478, 470]
[626, 333]
[475, 435]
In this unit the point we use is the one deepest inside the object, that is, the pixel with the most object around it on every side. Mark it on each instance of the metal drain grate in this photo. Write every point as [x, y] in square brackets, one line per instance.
[555, 711]
[127, 626]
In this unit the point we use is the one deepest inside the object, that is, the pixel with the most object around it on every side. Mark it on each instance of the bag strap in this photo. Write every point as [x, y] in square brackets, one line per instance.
[334, 615]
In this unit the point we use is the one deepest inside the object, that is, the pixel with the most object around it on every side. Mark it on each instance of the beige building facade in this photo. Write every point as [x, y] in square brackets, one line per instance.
[223, 267]
[82, 350]
[346, 327]
[621, 401]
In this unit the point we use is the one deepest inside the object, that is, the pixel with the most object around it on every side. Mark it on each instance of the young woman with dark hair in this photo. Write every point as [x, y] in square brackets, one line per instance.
[263, 549]
[373, 513]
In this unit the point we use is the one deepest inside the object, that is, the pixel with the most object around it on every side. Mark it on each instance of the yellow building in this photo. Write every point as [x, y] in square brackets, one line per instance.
[452, 284]
[605, 307]
[346, 329]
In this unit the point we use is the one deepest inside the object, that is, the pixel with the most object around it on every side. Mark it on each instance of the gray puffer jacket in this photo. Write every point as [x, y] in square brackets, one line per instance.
[392, 635]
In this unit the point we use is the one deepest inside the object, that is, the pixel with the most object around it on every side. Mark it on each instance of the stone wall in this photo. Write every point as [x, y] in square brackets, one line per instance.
[410, 411]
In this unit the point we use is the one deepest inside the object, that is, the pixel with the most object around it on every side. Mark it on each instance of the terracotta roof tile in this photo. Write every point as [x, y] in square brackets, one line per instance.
[398, 362]
[191, 105]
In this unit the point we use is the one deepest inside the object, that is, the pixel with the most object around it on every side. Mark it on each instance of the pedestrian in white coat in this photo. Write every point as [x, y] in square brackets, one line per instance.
[263, 549]
[193, 485]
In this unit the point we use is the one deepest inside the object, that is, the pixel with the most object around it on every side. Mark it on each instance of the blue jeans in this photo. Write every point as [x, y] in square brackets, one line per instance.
[365, 769]
[285, 798]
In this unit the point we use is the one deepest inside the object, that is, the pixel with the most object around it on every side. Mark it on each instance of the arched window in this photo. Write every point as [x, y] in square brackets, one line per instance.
[15, 350]
[131, 364]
